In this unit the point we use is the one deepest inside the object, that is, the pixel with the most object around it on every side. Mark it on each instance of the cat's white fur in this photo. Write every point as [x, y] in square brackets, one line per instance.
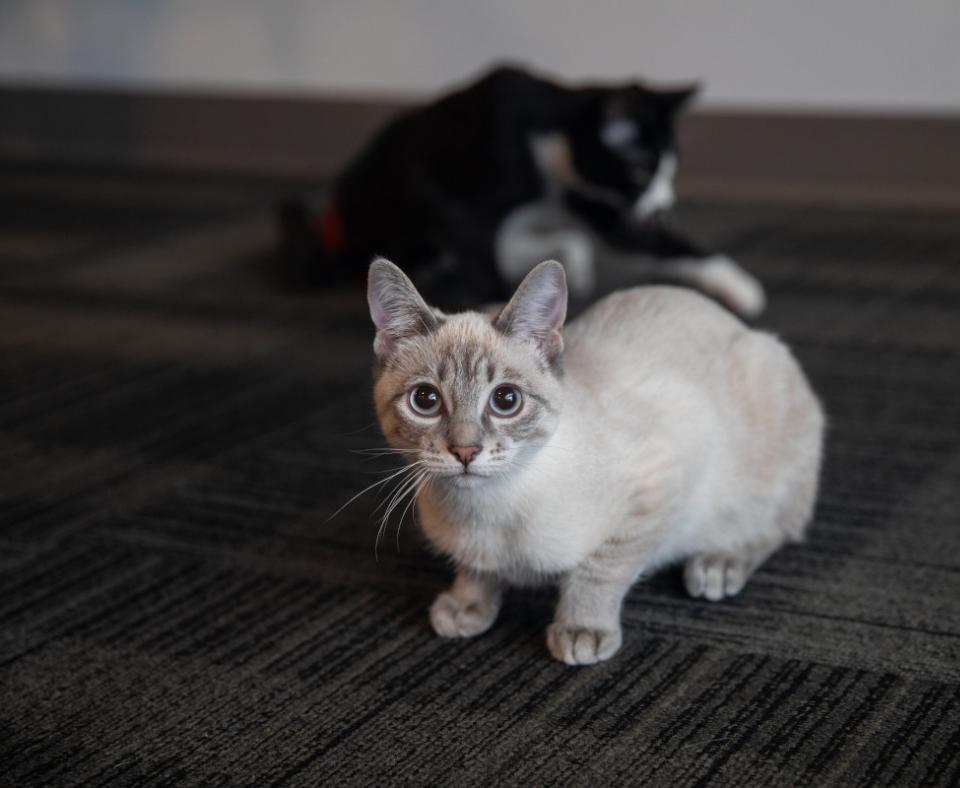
[659, 195]
[679, 435]
[536, 231]
[539, 231]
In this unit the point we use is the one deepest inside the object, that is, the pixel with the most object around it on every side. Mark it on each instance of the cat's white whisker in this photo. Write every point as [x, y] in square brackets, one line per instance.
[412, 468]
[403, 489]
[516, 463]
[406, 465]
[548, 446]
[364, 428]
[386, 449]
[366, 489]
[376, 453]
[419, 484]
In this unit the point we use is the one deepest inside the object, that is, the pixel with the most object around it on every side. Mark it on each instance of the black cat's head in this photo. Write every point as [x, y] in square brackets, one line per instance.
[623, 147]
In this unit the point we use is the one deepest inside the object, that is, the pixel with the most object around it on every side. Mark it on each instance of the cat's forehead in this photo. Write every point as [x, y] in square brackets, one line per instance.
[467, 346]
[470, 345]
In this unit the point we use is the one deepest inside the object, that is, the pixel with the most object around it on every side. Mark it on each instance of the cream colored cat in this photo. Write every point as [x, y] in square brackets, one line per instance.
[654, 429]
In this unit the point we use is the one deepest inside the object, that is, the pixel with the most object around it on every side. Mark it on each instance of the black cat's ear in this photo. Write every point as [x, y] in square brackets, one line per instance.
[538, 309]
[396, 308]
[677, 99]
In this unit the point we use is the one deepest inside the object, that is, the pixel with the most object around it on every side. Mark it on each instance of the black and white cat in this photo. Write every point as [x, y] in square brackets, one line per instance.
[468, 193]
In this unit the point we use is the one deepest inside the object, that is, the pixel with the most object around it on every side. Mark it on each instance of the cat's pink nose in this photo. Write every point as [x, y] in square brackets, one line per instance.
[465, 453]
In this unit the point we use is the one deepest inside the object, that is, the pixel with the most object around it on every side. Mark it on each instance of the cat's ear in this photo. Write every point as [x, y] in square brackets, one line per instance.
[677, 99]
[538, 308]
[396, 308]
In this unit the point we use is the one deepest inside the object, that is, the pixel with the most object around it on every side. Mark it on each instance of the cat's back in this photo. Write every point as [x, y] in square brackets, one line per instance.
[670, 355]
[665, 327]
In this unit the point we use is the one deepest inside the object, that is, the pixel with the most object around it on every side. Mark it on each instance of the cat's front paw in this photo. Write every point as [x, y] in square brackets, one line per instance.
[715, 576]
[453, 617]
[582, 645]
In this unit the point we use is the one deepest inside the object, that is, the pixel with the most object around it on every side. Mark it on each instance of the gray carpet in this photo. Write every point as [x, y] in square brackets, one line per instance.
[177, 608]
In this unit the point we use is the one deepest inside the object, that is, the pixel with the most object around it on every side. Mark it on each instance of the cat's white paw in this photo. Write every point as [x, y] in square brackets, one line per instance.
[451, 617]
[715, 576]
[723, 278]
[582, 645]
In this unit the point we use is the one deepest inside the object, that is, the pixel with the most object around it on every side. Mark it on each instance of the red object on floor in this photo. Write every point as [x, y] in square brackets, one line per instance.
[331, 231]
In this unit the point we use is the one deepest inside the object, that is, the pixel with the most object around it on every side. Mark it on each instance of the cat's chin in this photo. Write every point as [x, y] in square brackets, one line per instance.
[465, 481]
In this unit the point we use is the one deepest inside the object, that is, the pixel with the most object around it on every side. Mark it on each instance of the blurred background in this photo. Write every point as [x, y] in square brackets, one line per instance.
[856, 55]
[829, 67]
[176, 429]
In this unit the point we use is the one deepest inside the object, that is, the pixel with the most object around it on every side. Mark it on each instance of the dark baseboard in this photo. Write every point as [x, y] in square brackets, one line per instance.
[883, 160]
[272, 136]
[896, 161]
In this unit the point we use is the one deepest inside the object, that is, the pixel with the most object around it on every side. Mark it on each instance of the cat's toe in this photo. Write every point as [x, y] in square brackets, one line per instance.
[715, 576]
[582, 645]
[451, 618]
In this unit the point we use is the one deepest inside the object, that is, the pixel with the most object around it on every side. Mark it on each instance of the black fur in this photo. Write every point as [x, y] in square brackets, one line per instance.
[431, 189]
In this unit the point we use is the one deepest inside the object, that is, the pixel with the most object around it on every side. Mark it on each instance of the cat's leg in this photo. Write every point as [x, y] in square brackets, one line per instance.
[586, 626]
[770, 378]
[677, 257]
[534, 233]
[715, 576]
[720, 277]
[469, 607]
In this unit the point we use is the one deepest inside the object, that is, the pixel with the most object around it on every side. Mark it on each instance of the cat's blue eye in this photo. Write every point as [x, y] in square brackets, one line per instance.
[425, 400]
[506, 400]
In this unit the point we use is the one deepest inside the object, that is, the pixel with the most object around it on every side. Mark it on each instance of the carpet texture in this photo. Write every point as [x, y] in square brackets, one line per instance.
[177, 608]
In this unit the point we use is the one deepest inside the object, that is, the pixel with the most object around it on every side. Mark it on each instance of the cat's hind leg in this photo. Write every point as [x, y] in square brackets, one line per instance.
[768, 374]
[715, 576]
[720, 277]
[534, 233]
[468, 608]
[665, 253]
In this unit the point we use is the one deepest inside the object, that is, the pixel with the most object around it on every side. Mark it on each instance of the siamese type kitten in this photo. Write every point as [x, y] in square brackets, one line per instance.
[654, 429]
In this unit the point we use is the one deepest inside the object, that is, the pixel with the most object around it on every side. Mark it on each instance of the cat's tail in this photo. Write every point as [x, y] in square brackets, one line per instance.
[310, 247]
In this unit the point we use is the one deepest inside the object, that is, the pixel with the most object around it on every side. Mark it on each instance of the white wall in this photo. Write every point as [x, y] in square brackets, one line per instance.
[844, 54]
